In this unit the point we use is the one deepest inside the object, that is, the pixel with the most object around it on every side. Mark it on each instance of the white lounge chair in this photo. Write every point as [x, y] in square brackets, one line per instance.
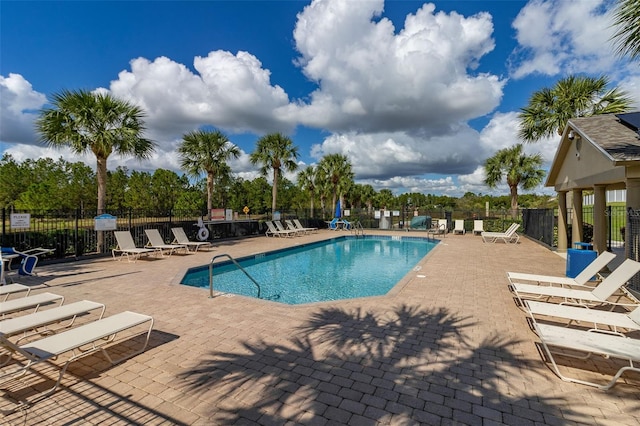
[274, 232]
[9, 289]
[283, 230]
[292, 227]
[91, 337]
[156, 242]
[300, 226]
[588, 343]
[40, 323]
[180, 237]
[578, 315]
[478, 227]
[29, 302]
[581, 279]
[587, 296]
[126, 247]
[459, 227]
[508, 236]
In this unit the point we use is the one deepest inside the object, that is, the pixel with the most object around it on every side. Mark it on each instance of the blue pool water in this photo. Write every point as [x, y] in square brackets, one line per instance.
[340, 268]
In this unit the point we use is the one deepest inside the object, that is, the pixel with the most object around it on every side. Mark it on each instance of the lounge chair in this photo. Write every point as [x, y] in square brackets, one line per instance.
[293, 227]
[28, 259]
[478, 227]
[508, 236]
[346, 224]
[9, 289]
[335, 224]
[581, 279]
[128, 248]
[40, 323]
[79, 342]
[588, 342]
[180, 237]
[24, 303]
[274, 232]
[300, 226]
[611, 321]
[156, 242]
[459, 227]
[587, 296]
[280, 227]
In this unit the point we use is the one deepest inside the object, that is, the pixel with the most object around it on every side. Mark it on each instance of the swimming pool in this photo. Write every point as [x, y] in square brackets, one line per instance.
[340, 268]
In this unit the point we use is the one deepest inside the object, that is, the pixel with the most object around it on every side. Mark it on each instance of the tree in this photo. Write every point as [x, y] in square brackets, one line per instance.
[550, 109]
[14, 179]
[96, 122]
[116, 188]
[368, 194]
[275, 152]
[335, 169]
[166, 187]
[204, 151]
[385, 199]
[627, 23]
[138, 195]
[307, 182]
[518, 168]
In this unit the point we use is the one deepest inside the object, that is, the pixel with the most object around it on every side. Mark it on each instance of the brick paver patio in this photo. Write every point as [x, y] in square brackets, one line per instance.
[447, 346]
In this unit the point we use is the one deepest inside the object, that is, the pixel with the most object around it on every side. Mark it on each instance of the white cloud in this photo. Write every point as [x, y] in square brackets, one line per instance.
[374, 80]
[231, 92]
[563, 37]
[18, 105]
[385, 155]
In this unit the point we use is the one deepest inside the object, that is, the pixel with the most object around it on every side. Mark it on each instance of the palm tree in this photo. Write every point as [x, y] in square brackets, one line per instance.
[307, 182]
[368, 194]
[96, 122]
[275, 151]
[549, 109]
[518, 168]
[627, 22]
[204, 151]
[335, 169]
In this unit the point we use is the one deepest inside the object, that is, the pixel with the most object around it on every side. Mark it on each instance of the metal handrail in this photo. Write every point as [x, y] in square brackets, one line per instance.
[356, 227]
[237, 265]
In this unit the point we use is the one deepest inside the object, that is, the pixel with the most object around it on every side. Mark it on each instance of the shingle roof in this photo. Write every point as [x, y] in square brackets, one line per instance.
[618, 140]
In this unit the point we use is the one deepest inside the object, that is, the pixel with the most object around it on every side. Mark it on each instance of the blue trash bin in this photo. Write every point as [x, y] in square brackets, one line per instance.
[577, 260]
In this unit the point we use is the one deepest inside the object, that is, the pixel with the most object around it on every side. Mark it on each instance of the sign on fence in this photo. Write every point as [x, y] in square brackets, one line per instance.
[20, 220]
[105, 222]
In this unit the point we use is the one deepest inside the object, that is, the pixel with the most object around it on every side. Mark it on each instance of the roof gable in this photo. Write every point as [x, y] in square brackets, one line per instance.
[594, 150]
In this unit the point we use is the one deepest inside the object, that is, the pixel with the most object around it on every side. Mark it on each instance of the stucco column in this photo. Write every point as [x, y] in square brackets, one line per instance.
[633, 202]
[576, 216]
[562, 221]
[600, 218]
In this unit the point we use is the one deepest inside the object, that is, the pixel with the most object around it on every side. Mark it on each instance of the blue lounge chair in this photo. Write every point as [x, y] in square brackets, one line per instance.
[28, 259]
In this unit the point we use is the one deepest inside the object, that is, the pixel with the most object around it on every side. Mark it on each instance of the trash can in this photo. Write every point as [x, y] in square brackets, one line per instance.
[577, 260]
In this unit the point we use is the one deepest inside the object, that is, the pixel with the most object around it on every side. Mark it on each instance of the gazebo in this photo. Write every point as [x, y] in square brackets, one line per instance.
[598, 153]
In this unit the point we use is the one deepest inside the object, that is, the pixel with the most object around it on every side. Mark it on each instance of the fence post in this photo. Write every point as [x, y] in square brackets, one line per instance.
[4, 226]
[76, 239]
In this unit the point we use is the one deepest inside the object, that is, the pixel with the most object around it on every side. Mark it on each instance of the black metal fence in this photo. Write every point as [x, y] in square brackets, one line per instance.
[632, 239]
[73, 234]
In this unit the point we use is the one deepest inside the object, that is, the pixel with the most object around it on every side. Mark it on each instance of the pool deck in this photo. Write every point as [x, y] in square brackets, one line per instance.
[447, 346]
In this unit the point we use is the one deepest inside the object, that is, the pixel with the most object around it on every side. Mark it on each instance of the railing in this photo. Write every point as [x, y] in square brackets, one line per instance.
[237, 265]
[356, 228]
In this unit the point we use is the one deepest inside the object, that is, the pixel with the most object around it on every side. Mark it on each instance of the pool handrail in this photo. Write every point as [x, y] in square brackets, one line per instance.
[237, 265]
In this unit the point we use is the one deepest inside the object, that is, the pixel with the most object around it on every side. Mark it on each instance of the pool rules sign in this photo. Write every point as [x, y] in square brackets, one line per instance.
[105, 222]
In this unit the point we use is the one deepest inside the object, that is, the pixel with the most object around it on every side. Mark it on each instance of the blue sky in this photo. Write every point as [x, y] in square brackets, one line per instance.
[416, 94]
